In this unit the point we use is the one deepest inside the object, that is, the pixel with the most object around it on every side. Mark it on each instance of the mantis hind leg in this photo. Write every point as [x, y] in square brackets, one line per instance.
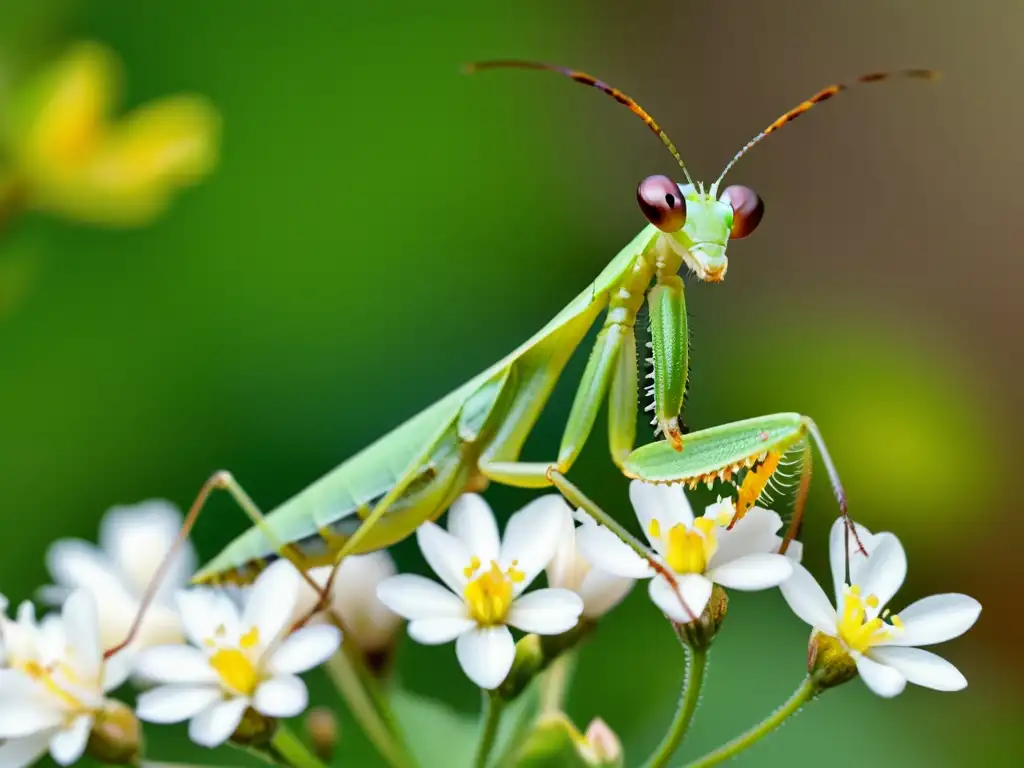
[221, 480]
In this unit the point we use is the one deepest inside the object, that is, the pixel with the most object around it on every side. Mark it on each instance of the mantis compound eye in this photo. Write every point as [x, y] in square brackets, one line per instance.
[662, 203]
[747, 210]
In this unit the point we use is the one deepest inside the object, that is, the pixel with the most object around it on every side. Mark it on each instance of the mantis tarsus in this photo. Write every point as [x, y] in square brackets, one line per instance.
[474, 435]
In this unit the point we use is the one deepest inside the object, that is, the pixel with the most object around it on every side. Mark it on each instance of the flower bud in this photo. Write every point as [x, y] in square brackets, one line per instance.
[116, 737]
[322, 727]
[701, 633]
[828, 662]
[600, 745]
[255, 730]
[554, 740]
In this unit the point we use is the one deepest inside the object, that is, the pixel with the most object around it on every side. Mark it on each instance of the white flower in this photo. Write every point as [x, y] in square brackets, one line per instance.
[569, 569]
[235, 661]
[486, 578]
[700, 552]
[53, 682]
[134, 541]
[366, 620]
[881, 643]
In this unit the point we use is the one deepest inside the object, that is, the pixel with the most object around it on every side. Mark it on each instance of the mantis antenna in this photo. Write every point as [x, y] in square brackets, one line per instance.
[824, 95]
[585, 79]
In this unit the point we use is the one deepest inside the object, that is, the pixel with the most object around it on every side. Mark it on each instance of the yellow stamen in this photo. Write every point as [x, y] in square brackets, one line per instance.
[44, 676]
[855, 630]
[236, 670]
[250, 639]
[473, 567]
[688, 550]
[489, 596]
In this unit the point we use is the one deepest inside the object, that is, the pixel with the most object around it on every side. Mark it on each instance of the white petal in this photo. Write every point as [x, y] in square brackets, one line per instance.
[139, 537]
[203, 611]
[21, 753]
[486, 655]
[438, 631]
[175, 664]
[531, 537]
[546, 611]
[269, 604]
[117, 669]
[665, 503]
[15, 684]
[562, 569]
[602, 591]
[753, 534]
[445, 554]
[884, 572]
[284, 696]
[607, 552]
[808, 601]
[471, 521]
[795, 550]
[214, 725]
[417, 597]
[81, 624]
[307, 648]
[77, 564]
[884, 681]
[175, 703]
[68, 744]
[936, 619]
[22, 717]
[753, 572]
[921, 668]
[838, 545]
[695, 591]
[368, 621]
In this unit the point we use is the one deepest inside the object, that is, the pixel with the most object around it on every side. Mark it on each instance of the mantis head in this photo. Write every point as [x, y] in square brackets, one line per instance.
[698, 226]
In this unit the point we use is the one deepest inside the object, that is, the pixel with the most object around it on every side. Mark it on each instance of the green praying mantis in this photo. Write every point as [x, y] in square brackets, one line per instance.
[475, 434]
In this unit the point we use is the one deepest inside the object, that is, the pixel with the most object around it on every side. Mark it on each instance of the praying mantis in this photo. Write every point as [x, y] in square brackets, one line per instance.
[474, 435]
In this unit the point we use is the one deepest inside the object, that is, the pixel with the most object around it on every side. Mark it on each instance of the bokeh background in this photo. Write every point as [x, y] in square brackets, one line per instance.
[381, 227]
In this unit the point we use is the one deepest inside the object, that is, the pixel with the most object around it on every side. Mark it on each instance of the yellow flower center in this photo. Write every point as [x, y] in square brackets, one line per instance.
[45, 676]
[855, 630]
[688, 550]
[489, 595]
[235, 666]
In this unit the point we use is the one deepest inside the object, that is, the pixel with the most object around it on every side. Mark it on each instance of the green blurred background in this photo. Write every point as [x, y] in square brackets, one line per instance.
[380, 228]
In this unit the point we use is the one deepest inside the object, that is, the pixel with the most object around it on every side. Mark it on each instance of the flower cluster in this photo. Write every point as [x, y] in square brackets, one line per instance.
[229, 662]
[226, 662]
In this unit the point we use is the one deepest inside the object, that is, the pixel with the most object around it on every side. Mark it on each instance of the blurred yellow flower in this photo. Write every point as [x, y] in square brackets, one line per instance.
[73, 158]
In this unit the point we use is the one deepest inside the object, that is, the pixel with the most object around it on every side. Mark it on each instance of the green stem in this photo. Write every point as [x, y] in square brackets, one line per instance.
[555, 681]
[368, 706]
[289, 747]
[493, 705]
[688, 700]
[804, 694]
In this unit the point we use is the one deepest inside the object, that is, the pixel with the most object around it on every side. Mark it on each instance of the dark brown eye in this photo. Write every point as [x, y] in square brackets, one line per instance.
[747, 210]
[662, 203]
